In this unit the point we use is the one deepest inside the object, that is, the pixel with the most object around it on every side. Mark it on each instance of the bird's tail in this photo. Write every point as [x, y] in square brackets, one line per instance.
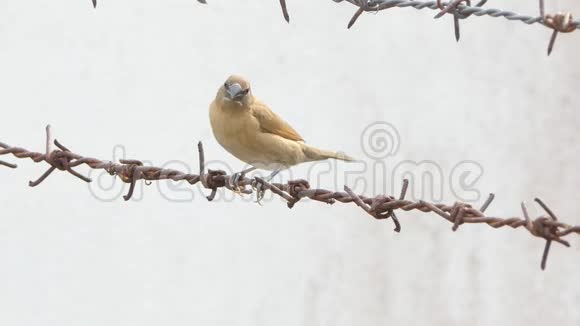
[315, 154]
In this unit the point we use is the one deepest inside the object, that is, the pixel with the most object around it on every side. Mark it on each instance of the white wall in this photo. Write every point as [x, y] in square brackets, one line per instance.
[141, 74]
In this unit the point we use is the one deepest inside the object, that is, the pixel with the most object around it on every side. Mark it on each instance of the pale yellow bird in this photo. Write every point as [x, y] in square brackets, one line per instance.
[253, 133]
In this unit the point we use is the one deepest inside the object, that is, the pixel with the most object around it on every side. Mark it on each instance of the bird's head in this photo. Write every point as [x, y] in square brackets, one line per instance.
[237, 90]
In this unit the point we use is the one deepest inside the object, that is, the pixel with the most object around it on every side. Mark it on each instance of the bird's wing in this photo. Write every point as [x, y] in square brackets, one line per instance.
[272, 123]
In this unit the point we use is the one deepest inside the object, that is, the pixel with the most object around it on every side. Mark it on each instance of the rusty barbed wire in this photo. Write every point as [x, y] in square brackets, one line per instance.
[379, 207]
[460, 9]
[558, 22]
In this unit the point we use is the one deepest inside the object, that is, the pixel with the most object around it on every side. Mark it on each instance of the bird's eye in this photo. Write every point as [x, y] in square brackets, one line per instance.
[226, 85]
[245, 92]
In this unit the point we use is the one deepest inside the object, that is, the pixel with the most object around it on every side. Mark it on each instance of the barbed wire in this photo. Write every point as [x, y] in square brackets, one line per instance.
[379, 207]
[460, 9]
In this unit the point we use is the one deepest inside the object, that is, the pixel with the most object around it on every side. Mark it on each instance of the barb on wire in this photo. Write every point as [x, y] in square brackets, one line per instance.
[12, 166]
[380, 207]
[285, 10]
[452, 7]
[559, 22]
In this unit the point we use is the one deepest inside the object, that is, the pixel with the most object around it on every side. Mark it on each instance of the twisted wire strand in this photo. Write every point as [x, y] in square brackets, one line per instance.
[559, 22]
[378, 5]
[379, 207]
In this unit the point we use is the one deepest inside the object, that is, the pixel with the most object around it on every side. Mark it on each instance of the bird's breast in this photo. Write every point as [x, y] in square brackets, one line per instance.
[236, 131]
[239, 132]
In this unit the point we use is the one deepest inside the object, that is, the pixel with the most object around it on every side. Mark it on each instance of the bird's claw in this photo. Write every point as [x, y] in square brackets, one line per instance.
[233, 182]
[258, 187]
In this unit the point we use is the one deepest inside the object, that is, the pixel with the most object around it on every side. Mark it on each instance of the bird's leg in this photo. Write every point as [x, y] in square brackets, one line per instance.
[235, 178]
[259, 191]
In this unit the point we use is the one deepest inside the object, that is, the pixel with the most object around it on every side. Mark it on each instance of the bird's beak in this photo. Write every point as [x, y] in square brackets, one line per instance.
[234, 92]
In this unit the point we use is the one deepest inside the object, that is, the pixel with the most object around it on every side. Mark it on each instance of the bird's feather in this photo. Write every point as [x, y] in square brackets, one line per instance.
[272, 123]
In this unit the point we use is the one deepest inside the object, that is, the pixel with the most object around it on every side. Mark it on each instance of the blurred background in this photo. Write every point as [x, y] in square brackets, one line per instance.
[135, 78]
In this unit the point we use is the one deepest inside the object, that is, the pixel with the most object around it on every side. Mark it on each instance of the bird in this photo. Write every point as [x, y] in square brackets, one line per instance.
[249, 130]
